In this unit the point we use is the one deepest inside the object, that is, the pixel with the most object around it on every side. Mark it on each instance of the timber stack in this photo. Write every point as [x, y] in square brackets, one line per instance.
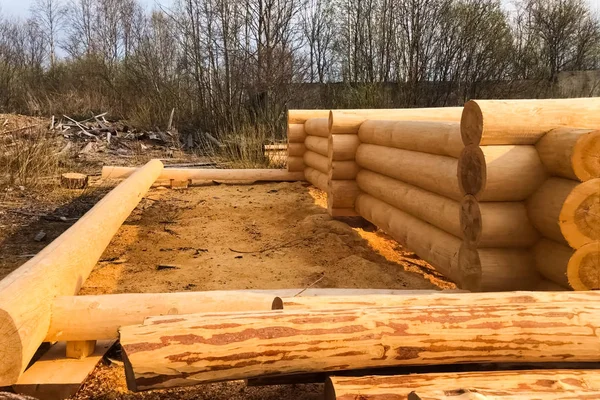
[498, 195]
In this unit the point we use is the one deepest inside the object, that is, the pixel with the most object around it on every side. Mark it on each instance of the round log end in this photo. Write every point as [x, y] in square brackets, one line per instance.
[469, 264]
[470, 219]
[11, 350]
[580, 215]
[73, 180]
[585, 160]
[583, 270]
[471, 124]
[330, 121]
[472, 171]
[277, 304]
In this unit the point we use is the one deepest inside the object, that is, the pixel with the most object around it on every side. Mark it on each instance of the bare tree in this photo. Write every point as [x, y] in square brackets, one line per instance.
[49, 15]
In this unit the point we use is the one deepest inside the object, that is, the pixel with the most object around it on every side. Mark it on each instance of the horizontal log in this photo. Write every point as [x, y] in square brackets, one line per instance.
[501, 269]
[580, 214]
[400, 386]
[428, 298]
[185, 174]
[341, 194]
[295, 164]
[433, 245]
[433, 137]
[343, 147]
[100, 317]
[317, 127]
[437, 210]
[316, 161]
[583, 271]
[343, 170]
[571, 153]
[544, 207]
[316, 178]
[433, 173]
[552, 260]
[349, 121]
[192, 349]
[317, 144]
[500, 173]
[60, 269]
[501, 394]
[314, 292]
[301, 116]
[296, 149]
[296, 133]
[496, 224]
[515, 122]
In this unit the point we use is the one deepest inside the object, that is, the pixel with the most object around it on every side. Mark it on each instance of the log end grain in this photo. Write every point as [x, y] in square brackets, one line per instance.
[73, 180]
[470, 219]
[471, 124]
[11, 350]
[580, 215]
[470, 266]
[583, 270]
[472, 171]
[585, 159]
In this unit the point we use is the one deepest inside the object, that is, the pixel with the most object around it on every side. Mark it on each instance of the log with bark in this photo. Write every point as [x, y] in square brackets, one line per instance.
[192, 349]
[515, 122]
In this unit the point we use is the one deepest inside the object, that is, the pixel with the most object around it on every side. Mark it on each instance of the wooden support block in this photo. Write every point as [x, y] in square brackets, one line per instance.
[81, 348]
[73, 180]
[179, 184]
[55, 377]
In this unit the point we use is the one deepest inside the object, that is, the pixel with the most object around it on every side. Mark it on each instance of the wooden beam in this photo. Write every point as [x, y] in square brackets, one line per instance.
[99, 317]
[508, 122]
[61, 268]
[349, 121]
[433, 137]
[400, 386]
[55, 377]
[194, 349]
[207, 174]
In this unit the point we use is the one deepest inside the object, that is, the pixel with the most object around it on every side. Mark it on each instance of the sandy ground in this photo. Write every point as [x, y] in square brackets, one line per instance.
[219, 237]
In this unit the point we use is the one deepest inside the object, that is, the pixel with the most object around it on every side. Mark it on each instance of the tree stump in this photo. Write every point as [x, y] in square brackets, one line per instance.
[73, 180]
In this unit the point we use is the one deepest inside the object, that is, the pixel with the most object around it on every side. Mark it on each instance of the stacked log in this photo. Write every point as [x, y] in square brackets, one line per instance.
[315, 157]
[296, 132]
[526, 172]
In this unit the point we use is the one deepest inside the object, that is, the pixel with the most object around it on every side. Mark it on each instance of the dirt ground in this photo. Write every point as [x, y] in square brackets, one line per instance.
[213, 237]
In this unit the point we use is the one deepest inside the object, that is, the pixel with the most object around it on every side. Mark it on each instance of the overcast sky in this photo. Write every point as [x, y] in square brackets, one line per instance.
[21, 7]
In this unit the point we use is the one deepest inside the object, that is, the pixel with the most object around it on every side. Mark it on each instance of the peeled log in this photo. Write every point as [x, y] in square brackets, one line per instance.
[100, 317]
[341, 194]
[571, 153]
[317, 127]
[508, 122]
[475, 393]
[294, 164]
[501, 269]
[343, 170]
[317, 178]
[349, 121]
[580, 215]
[583, 270]
[433, 245]
[433, 137]
[429, 299]
[544, 207]
[551, 260]
[399, 387]
[301, 116]
[437, 210]
[60, 269]
[433, 173]
[296, 149]
[316, 161]
[207, 174]
[500, 173]
[496, 224]
[343, 147]
[296, 133]
[191, 349]
[317, 144]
